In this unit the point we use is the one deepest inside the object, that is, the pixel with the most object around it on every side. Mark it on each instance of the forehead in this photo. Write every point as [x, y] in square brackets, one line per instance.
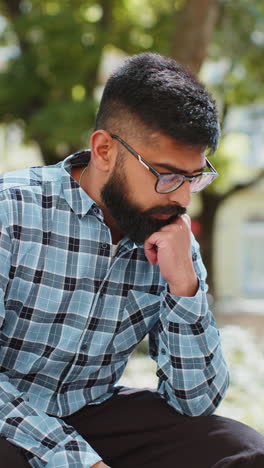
[165, 153]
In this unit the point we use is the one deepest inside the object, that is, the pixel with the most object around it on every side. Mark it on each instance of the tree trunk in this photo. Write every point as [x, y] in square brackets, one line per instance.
[194, 25]
[12, 7]
[210, 203]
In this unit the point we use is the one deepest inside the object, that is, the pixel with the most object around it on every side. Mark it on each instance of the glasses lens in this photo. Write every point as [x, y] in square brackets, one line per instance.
[167, 182]
[199, 183]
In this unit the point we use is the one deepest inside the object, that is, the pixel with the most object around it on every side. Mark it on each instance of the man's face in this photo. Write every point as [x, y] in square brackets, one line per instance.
[129, 194]
[129, 217]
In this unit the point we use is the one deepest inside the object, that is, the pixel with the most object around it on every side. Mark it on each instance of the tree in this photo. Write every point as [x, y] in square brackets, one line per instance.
[238, 39]
[48, 86]
[194, 24]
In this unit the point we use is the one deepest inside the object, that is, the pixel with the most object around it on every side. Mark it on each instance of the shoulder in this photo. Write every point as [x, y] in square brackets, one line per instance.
[30, 183]
[24, 191]
[29, 178]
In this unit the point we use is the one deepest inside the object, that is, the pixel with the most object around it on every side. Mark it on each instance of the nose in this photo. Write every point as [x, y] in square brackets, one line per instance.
[181, 196]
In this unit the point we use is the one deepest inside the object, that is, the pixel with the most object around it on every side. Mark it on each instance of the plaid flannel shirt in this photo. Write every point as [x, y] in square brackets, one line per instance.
[71, 314]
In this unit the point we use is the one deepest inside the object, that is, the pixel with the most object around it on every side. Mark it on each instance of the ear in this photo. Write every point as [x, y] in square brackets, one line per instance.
[103, 150]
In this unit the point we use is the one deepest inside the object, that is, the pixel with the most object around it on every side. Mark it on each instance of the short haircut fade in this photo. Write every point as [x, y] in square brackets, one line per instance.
[164, 96]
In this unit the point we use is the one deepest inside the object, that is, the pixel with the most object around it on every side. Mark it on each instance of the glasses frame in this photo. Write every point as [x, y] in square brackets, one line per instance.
[159, 175]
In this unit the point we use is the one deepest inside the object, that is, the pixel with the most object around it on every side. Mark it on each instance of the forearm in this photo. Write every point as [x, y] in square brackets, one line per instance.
[188, 286]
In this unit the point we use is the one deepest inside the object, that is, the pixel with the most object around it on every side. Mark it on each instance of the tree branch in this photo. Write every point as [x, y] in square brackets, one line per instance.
[193, 30]
[12, 7]
[107, 8]
[13, 11]
[249, 184]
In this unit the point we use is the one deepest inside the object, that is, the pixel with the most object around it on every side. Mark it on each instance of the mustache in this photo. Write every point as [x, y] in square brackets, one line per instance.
[171, 210]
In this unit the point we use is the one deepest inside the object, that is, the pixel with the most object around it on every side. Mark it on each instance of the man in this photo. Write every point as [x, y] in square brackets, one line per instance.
[96, 253]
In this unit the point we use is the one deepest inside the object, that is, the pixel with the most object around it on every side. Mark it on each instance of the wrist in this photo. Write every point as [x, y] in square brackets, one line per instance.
[185, 287]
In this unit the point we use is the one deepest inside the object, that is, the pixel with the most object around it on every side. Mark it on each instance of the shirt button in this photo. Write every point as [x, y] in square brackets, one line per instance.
[194, 257]
[84, 346]
[163, 351]
[104, 246]
[95, 210]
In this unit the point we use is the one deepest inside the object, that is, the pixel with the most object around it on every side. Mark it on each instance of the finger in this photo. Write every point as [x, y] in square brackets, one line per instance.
[151, 240]
[187, 219]
[151, 255]
[183, 221]
[150, 248]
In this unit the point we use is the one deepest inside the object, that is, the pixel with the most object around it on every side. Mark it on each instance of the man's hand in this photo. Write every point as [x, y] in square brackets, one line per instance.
[170, 247]
[100, 465]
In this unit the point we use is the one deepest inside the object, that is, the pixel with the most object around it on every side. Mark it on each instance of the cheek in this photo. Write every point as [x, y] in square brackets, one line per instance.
[145, 195]
[140, 188]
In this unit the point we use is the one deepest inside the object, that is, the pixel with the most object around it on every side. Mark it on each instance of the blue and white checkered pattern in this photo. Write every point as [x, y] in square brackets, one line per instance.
[71, 315]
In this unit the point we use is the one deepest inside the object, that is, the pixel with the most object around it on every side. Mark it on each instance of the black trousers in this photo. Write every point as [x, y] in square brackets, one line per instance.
[138, 429]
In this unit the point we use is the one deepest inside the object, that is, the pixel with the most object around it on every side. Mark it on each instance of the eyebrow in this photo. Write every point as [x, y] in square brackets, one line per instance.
[176, 170]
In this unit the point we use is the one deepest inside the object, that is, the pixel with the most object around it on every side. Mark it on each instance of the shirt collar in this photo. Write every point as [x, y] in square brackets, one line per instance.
[79, 201]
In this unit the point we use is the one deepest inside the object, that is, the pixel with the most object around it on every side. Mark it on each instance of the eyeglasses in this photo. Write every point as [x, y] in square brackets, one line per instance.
[168, 182]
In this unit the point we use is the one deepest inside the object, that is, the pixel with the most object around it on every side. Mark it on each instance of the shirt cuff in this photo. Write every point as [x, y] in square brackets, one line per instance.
[182, 309]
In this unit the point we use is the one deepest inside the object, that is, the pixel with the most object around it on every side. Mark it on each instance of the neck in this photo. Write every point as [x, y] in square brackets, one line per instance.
[116, 234]
[83, 176]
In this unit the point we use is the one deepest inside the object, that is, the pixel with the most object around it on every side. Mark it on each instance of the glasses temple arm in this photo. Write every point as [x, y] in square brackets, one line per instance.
[139, 158]
[210, 166]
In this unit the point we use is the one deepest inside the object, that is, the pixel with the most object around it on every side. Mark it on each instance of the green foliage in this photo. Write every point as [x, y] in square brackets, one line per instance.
[239, 41]
[49, 85]
[60, 49]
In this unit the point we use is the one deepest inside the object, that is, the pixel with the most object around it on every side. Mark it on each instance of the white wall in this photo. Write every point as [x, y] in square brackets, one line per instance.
[231, 242]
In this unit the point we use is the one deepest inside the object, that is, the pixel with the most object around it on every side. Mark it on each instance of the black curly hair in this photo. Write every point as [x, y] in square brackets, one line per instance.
[161, 95]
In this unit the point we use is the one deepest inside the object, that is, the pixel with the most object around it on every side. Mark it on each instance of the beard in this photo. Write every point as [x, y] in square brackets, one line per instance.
[138, 225]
